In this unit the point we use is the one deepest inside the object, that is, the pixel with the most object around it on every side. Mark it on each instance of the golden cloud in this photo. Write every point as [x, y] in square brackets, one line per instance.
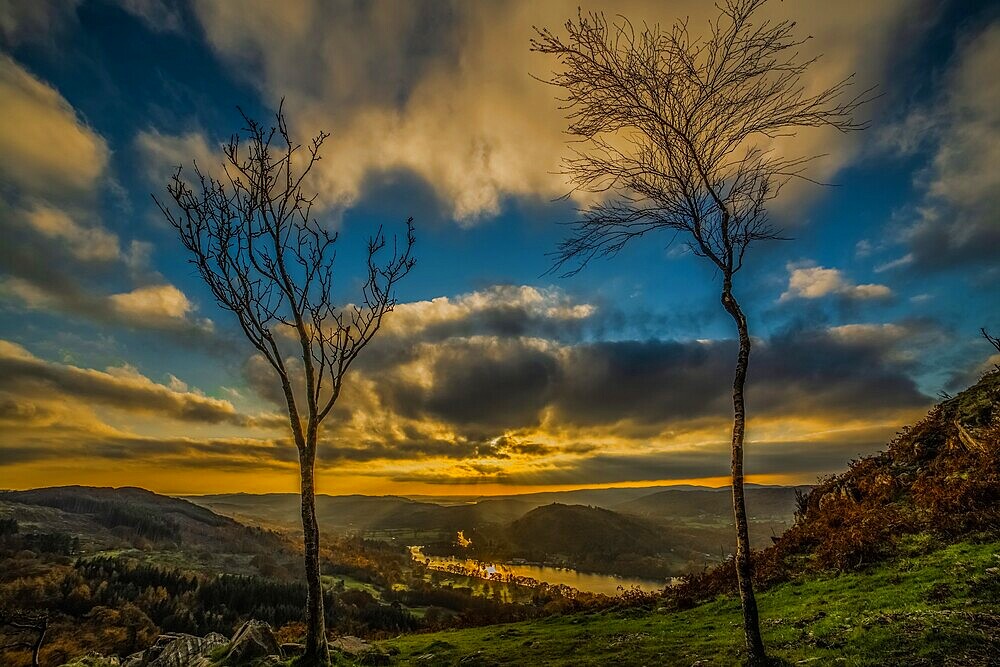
[88, 244]
[47, 149]
[814, 282]
[24, 375]
[444, 89]
[152, 301]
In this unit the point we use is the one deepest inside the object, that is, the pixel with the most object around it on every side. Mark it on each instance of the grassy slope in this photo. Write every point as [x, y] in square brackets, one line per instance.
[934, 608]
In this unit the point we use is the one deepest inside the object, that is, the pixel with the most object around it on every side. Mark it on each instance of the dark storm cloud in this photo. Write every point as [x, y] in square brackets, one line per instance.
[963, 234]
[642, 381]
[482, 384]
[13, 454]
[490, 384]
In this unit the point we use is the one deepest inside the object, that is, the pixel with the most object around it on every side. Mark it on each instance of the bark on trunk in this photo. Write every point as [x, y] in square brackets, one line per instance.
[744, 564]
[317, 652]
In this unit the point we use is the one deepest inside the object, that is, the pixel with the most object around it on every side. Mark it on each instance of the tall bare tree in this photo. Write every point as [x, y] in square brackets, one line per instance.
[253, 239]
[675, 134]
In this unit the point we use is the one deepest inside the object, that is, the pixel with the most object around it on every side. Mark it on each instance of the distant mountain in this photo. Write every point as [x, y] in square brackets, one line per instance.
[396, 513]
[608, 498]
[762, 503]
[104, 517]
[284, 509]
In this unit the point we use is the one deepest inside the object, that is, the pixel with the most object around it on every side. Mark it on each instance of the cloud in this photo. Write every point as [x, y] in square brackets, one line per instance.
[55, 165]
[162, 154]
[905, 260]
[802, 459]
[461, 397]
[161, 306]
[22, 374]
[158, 15]
[76, 445]
[48, 150]
[443, 89]
[88, 244]
[447, 380]
[505, 310]
[152, 302]
[451, 384]
[815, 282]
[34, 20]
[956, 222]
[446, 407]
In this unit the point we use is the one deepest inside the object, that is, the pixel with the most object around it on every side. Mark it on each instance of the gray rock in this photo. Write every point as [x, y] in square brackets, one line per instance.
[351, 645]
[253, 640]
[177, 650]
[188, 651]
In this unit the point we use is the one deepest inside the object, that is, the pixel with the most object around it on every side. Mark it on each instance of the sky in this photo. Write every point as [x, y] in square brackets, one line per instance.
[493, 375]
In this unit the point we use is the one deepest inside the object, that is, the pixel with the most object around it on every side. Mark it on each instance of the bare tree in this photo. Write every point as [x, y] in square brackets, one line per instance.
[254, 241]
[675, 135]
[992, 340]
[23, 624]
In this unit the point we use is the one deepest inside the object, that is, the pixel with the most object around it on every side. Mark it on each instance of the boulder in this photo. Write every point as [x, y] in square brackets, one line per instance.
[188, 651]
[177, 650]
[253, 640]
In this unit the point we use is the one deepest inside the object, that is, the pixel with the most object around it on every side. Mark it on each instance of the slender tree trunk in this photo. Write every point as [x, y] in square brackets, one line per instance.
[317, 651]
[744, 564]
[36, 649]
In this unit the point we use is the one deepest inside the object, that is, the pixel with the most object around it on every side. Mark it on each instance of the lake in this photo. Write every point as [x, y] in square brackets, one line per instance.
[606, 584]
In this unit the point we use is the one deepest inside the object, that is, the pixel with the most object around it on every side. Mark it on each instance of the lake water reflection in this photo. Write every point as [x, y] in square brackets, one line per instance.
[582, 581]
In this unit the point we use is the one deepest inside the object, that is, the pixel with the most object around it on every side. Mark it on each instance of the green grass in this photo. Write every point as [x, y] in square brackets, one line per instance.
[331, 580]
[925, 608]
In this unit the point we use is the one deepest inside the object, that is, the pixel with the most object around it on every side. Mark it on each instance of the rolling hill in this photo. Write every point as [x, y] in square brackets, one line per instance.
[580, 532]
[102, 518]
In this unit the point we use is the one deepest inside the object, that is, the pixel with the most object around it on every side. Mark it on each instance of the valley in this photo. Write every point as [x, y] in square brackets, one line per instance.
[896, 556]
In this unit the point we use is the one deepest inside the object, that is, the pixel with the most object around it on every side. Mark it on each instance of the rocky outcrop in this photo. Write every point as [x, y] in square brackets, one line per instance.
[254, 644]
[177, 650]
[253, 640]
